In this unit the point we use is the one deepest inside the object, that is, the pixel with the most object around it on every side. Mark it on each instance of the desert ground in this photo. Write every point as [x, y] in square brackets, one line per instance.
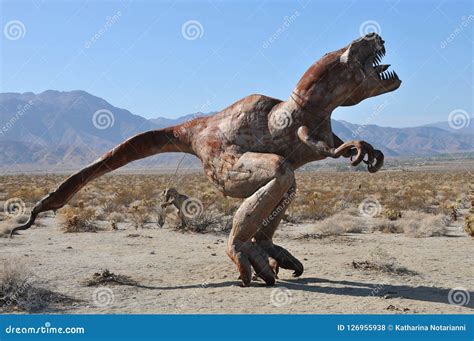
[391, 242]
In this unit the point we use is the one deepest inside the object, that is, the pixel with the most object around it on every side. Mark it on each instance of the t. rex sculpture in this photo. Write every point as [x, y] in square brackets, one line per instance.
[252, 148]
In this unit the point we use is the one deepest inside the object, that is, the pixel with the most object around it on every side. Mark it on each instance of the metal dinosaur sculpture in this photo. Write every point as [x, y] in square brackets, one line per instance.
[252, 148]
[173, 198]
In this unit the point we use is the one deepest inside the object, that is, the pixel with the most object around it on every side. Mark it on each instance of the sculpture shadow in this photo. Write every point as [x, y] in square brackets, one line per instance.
[351, 288]
[360, 289]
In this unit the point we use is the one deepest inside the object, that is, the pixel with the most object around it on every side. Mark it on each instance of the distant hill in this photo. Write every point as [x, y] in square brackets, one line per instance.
[163, 122]
[416, 141]
[466, 128]
[57, 130]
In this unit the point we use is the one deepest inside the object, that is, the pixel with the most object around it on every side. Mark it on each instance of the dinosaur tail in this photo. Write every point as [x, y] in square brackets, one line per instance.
[137, 147]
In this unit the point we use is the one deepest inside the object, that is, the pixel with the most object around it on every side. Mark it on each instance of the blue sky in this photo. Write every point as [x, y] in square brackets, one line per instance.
[141, 60]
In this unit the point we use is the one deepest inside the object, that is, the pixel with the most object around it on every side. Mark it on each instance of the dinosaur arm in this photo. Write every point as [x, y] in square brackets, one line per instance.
[360, 149]
[318, 147]
[338, 142]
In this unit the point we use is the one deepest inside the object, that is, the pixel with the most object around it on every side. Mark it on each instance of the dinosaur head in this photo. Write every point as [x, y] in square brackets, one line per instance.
[347, 76]
[169, 193]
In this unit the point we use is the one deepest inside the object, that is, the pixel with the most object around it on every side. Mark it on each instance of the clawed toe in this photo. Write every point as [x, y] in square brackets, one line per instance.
[283, 258]
[248, 255]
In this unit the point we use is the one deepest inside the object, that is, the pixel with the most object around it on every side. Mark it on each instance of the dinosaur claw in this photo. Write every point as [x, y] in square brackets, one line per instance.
[298, 267]
[378, 158]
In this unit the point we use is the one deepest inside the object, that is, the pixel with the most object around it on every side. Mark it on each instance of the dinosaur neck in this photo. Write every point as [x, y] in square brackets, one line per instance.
[180, 138]
[314, 91]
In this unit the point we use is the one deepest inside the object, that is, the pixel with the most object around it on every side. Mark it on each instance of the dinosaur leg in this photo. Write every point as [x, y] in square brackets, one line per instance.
[272, 178]
[264, 236]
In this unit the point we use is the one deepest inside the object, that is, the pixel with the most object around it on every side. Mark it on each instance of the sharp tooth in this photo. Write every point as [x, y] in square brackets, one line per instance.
[381, 68]
[396, 76]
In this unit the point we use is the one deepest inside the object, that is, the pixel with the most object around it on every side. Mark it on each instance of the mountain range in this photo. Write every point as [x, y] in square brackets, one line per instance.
[56, 130]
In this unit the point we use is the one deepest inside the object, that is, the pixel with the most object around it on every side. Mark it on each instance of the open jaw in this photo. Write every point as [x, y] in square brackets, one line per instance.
[381, 69]
[378, 74]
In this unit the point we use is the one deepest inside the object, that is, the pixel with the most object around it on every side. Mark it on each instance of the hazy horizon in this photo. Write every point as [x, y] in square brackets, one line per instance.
[170, 59]
[214, 111]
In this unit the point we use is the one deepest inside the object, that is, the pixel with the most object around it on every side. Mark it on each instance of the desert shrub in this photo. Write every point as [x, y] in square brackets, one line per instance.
[387, 226]
[320, 194]
[314, 205]
[206, 222]
[75, 219]
[391, 214]
[469, 224]
[29, 194]
[419, 225]
[19, 290]
[106, 277]
[7, 225]
[379, 266]
[380, 261]
[5, 229]
[114, 218]
[138, 213]
[343, 222]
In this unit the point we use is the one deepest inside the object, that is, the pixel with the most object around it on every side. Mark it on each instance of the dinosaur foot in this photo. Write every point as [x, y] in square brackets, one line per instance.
[247, 255]
[282, 256]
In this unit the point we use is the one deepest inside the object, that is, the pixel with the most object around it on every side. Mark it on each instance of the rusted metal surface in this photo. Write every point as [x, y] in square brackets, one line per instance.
[251, 149]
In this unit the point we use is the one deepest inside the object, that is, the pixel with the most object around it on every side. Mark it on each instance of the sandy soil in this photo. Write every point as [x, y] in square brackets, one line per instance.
[190, 273]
